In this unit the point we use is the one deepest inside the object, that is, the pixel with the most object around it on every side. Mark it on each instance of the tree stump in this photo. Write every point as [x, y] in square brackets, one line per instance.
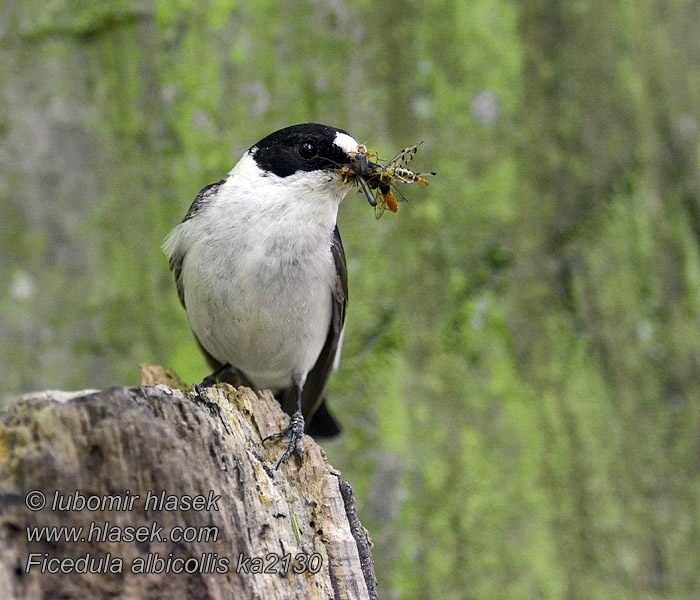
[176, 496]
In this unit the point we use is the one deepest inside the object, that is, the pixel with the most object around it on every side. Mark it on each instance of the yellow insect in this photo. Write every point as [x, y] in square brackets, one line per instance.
[360, 171]
[383, 178]
[377, 181]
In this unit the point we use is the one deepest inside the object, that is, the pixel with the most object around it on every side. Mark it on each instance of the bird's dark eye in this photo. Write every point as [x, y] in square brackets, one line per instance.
[308, 150]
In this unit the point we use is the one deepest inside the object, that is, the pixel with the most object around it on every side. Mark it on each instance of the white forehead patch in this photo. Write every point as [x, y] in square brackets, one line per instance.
[346, 142]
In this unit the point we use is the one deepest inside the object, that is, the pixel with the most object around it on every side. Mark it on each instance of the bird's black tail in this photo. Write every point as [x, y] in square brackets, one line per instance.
[323, 424]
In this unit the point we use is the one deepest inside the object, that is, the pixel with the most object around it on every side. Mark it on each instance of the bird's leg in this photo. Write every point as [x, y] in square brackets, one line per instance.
[210, 380]
[295, 430]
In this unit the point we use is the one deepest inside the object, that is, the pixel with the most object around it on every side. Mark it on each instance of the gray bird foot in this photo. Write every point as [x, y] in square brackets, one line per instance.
[211, 380]
[296, 441]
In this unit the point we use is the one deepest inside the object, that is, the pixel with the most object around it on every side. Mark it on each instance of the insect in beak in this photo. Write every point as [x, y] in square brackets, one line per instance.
[360, 171]
[378, 181]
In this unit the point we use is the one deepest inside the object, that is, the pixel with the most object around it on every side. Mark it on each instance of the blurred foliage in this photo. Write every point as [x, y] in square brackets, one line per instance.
[521, 369]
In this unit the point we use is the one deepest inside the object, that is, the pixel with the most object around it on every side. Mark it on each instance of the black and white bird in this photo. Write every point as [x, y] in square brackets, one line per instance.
[261, 272]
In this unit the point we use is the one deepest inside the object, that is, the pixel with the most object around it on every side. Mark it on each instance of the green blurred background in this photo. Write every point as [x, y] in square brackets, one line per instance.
[520, 380]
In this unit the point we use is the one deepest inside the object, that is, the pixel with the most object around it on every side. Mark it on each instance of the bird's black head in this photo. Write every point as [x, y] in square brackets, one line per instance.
[304, 147]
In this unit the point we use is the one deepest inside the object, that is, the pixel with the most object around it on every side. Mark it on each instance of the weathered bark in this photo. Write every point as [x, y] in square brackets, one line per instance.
[115, 444]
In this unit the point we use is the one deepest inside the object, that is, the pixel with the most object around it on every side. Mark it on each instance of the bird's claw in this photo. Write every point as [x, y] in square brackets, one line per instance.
[209, 381]
[296, 442]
